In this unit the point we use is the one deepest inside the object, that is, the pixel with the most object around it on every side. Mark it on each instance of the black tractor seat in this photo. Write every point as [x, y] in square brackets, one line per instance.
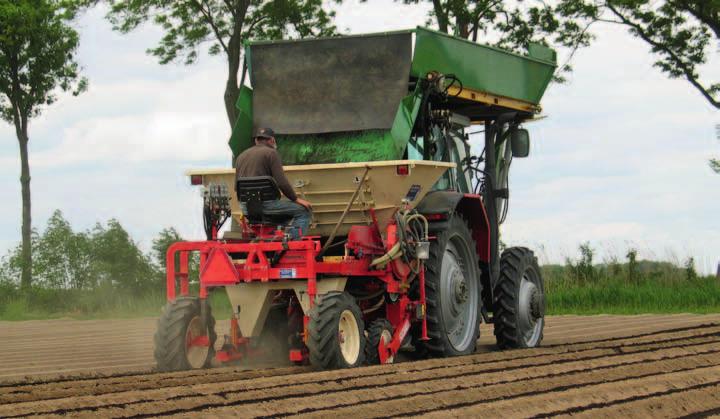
[253, 191]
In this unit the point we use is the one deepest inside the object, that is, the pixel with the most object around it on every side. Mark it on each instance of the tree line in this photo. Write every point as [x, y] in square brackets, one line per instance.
[584, 269]
[102, 256]
[38, 45]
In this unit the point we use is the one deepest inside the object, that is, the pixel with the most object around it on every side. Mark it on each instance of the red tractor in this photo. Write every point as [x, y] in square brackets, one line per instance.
[402, 251]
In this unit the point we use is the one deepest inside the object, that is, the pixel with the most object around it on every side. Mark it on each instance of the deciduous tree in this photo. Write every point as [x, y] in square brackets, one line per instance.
[37, 58]
[679, 33]
[63, 259]
[715, 163]
[118, 260]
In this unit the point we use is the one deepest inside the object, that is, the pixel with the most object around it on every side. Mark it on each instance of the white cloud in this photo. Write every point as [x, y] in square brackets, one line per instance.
[173, 136]
[620, 161]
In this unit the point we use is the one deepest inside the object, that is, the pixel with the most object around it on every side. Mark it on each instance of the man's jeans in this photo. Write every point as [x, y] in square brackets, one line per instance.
[300, 215]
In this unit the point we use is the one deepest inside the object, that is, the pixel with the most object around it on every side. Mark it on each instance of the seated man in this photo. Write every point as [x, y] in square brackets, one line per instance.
[264, 160]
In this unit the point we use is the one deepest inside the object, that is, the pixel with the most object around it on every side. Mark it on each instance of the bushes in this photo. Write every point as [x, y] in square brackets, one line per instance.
[103, 273]
[647, 296]
[64, 259]
[96, 273]
[82, 273]
[581, 287]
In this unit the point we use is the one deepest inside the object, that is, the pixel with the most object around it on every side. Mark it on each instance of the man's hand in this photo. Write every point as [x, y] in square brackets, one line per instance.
[304, 203]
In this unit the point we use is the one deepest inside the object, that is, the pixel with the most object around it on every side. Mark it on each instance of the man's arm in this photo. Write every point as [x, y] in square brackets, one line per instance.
[279, 175]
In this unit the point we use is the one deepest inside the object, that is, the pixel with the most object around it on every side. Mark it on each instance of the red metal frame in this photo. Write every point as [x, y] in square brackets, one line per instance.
[298, 262]
[472, 208]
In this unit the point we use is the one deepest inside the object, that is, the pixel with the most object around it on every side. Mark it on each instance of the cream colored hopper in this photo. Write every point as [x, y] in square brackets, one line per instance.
[329, 187]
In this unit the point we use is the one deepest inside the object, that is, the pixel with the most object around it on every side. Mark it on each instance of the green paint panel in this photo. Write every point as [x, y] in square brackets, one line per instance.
[405, 120]
[241, 137]
[484, 68]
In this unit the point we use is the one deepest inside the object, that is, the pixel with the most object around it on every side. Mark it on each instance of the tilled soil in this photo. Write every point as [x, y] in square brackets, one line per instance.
[654, 366]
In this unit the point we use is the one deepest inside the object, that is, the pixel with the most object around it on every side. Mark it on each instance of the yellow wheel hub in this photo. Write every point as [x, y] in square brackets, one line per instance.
[349, 337]
[196, 354]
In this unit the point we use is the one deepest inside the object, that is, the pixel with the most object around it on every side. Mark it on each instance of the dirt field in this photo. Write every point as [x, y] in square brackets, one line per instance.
[659, 366]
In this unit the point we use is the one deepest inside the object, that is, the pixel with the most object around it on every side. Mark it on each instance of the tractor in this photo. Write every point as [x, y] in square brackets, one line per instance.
[403, 250]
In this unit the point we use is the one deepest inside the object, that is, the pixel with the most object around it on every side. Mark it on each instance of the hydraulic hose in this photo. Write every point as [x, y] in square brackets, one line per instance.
[420, 217]
[394, 253]
[397, 250]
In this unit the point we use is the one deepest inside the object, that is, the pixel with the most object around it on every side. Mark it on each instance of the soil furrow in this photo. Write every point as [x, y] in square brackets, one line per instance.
[439, 394]
[29, 393]
[483, 363]
[109, 361]
[713, 413]
[199, 397]
[584, 334]
[87, 355]
[699, 402]
[589, 366]
[491, 360]
[577, 399]
[632, 322]
[91, 370]
[56, 379]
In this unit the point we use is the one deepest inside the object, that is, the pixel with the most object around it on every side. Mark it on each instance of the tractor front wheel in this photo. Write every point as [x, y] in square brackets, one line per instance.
[336, 332]
[182, 341]
[519, 300]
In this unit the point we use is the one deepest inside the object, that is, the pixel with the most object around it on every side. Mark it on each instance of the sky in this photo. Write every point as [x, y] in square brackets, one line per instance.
[619, 161]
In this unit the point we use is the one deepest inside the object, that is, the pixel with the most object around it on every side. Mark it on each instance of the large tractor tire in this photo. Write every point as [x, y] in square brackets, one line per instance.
[380, 328]
[453, 292]
[336, 332]
[519, 300]
[178, 326]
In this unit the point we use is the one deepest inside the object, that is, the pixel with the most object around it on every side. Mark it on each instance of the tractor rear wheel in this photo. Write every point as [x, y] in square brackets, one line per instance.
[336, 332]
[453, 289]
[182, 342]
[519, 300]
[380, 328]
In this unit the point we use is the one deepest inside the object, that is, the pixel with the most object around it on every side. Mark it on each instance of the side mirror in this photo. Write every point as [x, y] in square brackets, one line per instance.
[520, 142]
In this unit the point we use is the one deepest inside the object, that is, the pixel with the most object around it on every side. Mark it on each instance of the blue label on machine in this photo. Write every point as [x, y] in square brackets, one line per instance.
[287, 272]
[413, 192]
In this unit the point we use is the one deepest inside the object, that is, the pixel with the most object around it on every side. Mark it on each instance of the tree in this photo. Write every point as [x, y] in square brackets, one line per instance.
[690, 273]
[715, 163]
[118, 260]
[222, 25]
[633, 272]
[63, 258]
[37, 58]
[11, 264]
[160, 245]
[104, 256]
[162, 242]
[678, 32]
